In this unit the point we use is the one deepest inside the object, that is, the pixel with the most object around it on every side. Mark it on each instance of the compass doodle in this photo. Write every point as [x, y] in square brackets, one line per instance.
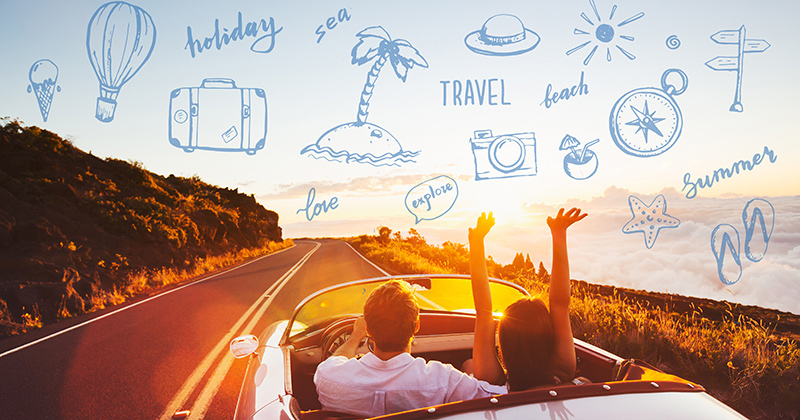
[646, 122]
[604, 34]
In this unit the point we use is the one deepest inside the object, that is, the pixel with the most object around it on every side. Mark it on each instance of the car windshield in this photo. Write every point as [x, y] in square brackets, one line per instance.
[452, 293]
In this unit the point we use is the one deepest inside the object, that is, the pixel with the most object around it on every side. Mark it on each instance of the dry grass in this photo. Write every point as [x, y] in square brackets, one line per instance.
[146, 281]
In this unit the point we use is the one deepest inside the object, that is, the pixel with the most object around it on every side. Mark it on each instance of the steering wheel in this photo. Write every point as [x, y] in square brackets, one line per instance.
[336, 334]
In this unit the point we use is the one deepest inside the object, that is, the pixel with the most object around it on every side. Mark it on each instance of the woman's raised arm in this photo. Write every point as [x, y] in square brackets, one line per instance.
[564, 358]
[484, 354]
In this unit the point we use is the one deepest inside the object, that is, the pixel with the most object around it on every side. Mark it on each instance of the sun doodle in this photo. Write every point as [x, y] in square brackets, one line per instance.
[604, 34]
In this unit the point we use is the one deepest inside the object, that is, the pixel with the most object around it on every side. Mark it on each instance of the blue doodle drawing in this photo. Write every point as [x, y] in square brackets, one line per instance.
[361, 141]
[649, 219]
[509, 155]
[119, 40]
[604, 34]
[218, 116]
[754, 212]
[502, 35]
[646, 122]
[431, 199]
[43, 76]
[579, 164]
[673, 42]
[721, 63]
[722, 245]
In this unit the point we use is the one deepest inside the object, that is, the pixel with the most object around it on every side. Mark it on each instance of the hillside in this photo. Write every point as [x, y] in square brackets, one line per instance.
[77, 231]
[746, 356]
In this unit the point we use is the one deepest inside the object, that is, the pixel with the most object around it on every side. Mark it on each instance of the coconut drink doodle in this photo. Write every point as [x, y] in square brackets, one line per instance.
[579, 163]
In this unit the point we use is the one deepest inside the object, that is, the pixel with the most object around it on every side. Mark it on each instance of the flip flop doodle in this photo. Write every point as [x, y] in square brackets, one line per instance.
[753, 216]
[722, 245]
[753, 209]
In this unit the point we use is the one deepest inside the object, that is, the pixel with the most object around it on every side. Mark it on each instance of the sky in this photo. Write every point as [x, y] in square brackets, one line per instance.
[472, 123]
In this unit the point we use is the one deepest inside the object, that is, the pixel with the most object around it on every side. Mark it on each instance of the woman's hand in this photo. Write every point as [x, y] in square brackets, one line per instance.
[483, 226]
[564, 220]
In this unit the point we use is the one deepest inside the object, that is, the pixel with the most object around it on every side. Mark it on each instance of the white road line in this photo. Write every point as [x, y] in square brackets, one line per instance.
[76, 326]
[208, 392]
[365, 259]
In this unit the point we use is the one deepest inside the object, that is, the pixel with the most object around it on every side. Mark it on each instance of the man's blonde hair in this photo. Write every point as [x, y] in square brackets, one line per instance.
[391, 312]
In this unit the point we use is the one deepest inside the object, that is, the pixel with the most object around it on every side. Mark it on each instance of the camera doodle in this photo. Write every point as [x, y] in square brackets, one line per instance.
[720, 63]
[502, 35]
[218, 116]
[119, 40]
[649, 219]
[604, 32]
[44, 76]
[579, 164]
[361, 141]
[505, 156]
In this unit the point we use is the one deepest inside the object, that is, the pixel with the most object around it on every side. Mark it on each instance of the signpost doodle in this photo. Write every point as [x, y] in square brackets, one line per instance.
[728, 63]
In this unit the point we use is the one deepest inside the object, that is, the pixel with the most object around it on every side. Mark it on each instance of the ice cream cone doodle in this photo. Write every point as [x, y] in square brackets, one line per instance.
[44, 76]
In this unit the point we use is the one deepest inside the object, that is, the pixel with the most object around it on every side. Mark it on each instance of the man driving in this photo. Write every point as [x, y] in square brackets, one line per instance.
[389, 379]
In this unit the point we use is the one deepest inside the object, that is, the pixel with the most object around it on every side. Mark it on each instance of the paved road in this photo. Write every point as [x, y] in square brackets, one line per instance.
[154, 356]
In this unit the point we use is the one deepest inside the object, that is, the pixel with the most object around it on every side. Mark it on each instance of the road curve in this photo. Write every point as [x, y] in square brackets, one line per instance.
[135, 360]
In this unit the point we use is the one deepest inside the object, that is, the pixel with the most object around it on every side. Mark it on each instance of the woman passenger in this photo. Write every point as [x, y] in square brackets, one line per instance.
[536, 344]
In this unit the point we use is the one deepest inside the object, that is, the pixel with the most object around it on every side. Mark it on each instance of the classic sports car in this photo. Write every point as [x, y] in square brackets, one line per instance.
[279, 379]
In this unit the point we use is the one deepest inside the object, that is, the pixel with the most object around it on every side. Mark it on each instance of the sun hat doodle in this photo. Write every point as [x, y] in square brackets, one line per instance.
[502, 34]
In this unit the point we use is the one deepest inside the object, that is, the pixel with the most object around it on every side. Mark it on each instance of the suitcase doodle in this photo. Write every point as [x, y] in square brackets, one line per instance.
[218, 116]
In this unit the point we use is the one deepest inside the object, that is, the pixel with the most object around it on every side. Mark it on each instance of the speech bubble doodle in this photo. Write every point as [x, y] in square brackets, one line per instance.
[432, 199]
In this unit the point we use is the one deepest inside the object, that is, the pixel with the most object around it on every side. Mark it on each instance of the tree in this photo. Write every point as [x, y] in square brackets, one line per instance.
[519, 262]
[376, 42]
[414, 238]
[542, 274]
[384, 234]
[528, 263]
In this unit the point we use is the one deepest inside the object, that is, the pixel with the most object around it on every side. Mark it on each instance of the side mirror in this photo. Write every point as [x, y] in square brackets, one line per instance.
[243, 346]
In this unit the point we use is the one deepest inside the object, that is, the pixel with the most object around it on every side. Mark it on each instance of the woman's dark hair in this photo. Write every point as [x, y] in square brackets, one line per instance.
[527, 344]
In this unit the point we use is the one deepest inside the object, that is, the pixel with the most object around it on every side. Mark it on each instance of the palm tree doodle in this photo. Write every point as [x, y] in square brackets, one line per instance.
[361, 141]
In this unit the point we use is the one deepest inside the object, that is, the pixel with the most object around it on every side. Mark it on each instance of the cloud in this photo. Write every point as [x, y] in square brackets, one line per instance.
[681, 260]
[355, 186]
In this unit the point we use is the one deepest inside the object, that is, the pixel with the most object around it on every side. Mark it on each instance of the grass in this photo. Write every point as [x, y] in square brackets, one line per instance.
[740, 360]
[146, 281]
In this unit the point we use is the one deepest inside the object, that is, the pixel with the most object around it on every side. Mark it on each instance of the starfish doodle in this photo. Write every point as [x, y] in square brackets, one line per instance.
[646, 121]
[649, 219]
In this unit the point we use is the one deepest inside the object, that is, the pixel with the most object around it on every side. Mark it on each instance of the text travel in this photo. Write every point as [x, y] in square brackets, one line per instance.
[475, 92]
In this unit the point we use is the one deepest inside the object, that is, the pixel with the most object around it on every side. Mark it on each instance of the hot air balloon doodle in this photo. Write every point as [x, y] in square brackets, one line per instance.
[44, 76]
[119, 40]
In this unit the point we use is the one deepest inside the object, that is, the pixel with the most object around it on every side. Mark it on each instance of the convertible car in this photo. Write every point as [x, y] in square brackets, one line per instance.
[282, 360]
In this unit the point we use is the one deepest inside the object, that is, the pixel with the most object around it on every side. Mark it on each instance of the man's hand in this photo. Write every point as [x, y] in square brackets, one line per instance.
[483, 227]
[359, 329]
[350, 347]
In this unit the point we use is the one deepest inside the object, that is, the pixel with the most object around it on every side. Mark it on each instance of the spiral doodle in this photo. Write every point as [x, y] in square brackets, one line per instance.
[673, 42]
